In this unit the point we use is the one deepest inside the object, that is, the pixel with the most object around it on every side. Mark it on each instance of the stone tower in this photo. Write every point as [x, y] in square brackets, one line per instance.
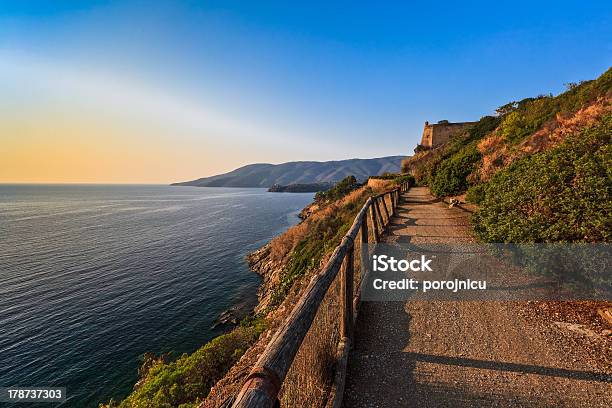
[441, 132]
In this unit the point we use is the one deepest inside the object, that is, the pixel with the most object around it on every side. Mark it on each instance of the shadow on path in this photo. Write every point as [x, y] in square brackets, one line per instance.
[513, 367]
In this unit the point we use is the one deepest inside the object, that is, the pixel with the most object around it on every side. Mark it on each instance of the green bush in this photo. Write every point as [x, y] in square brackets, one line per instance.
[404, 178]
[475, 194]
[395, 177]
[342, 188]
[564, 194]
[450, 177]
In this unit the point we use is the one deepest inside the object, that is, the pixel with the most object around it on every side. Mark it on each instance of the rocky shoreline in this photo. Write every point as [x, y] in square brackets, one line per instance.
[260, 263]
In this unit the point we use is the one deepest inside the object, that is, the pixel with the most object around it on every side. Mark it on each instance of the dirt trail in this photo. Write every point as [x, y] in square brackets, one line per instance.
[461, 354]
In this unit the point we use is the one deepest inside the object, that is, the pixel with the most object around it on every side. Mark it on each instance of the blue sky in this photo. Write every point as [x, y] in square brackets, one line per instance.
[204, 87]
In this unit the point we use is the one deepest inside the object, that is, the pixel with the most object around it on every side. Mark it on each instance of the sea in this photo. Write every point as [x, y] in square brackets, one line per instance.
[94, 276]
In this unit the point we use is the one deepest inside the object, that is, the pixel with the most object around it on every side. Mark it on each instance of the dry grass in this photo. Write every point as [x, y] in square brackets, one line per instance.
[380, 184]
[494, 155]
[555, 132]
[282, 245]
[497, 154]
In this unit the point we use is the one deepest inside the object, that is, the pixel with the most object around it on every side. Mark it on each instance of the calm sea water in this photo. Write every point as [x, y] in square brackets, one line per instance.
[92, 277]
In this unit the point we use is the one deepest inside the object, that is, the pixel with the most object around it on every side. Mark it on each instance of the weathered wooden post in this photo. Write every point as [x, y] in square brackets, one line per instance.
[381, 221]
[363, 264]
[374, 222]
[346, 295]
[384, 205]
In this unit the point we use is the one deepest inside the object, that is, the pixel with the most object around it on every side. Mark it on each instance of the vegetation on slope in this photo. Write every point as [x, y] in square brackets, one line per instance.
[396, 178]
[539, 170]
[564, 194]
[338, 191]
[318, 235]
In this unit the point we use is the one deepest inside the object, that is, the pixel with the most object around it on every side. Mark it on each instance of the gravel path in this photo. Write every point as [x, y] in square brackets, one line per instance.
[461, 354]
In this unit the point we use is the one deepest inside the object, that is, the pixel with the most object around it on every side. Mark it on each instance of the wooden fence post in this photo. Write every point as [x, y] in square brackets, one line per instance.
[374, 222]
[380, 219]
[384, 204]
[346, 295]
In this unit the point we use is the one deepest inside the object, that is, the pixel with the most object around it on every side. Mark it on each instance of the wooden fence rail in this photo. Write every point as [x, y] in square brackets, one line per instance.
[264, 382]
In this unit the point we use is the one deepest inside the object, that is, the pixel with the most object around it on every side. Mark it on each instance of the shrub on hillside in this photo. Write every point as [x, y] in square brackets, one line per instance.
[405, 178]
[395, 177]
[450, 176]
[564, 194]
[475, 194]
[342, 188]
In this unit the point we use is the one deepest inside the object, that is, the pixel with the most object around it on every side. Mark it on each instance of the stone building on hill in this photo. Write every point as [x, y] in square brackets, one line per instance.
[441, 132]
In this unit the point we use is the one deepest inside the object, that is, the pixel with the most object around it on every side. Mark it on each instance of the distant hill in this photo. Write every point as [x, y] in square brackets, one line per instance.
[301, 172]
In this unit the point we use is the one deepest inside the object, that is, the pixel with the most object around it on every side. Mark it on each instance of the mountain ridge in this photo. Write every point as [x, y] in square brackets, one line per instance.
[299, 172]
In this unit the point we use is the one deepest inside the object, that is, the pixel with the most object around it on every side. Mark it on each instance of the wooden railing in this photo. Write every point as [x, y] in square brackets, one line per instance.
[264, 382]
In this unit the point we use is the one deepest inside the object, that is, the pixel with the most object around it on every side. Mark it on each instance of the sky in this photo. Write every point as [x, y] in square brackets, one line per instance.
[164, 91]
